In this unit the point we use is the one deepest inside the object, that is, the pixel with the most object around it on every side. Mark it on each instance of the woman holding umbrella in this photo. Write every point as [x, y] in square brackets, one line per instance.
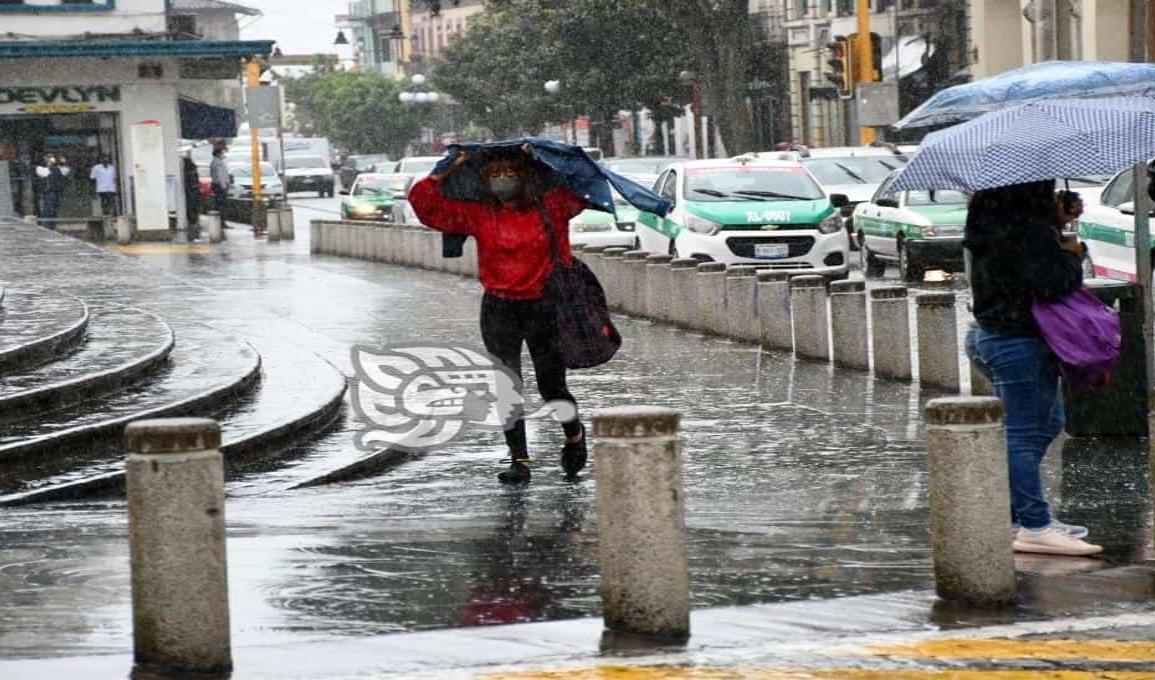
[1017, 257]
[514, 260]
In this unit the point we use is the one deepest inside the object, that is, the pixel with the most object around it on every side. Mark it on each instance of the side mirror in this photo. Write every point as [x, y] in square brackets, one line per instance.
[887, 202]
[1128, 208]
[839, 200]
[344, 192]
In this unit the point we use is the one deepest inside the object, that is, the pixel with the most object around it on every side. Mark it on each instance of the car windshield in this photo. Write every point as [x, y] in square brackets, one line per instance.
[298, 162]
[381, 186]
[853, 170]
[711, 185]
[418, 166]
[1088, 181]
[638, 166]
[245, 170]
[945, 197]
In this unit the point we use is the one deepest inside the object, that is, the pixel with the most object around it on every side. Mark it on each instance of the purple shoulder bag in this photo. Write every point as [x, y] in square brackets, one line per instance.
[1084, 334]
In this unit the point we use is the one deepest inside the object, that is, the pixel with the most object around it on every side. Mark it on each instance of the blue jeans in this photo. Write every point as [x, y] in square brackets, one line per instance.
[1026, 378]
[51, 208]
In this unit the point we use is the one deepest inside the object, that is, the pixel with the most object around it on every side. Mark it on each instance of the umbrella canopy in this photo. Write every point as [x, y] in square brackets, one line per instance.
[1038, 82]
[554, 164]
[1031, 142]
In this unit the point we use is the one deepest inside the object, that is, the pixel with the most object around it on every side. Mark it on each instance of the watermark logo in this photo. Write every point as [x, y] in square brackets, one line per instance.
[416, 397]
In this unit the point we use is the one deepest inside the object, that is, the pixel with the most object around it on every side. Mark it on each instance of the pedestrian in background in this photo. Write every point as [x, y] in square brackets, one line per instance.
[221, 181]
[1017, 257]
[192, 195]
[53, 176]
[515, 259]
[104, 178]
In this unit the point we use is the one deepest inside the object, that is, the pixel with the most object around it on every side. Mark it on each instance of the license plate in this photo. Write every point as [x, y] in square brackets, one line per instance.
[771, 251]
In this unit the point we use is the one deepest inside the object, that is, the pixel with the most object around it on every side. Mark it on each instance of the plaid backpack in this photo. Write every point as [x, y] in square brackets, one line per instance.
[588, 335]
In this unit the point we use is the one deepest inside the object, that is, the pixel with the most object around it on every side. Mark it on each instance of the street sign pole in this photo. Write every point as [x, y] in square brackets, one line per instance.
[253, 71]
[1142, 230]
[864, 60]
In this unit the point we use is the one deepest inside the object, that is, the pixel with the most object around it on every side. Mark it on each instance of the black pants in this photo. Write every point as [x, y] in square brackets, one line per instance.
[108, 204]
[505, 325]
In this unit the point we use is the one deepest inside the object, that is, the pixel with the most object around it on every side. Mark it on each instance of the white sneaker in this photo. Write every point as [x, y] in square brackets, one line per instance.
[1053, 541]
[1073, 530]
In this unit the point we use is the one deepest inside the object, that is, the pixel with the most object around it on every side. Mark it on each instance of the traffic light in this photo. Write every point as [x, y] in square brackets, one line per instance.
[871, 73]
[841, 64]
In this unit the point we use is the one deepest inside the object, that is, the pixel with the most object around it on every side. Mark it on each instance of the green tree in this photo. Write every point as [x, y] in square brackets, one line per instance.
[355, 110]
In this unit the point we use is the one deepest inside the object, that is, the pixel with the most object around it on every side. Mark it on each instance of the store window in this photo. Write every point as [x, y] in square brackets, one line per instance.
[55, 5]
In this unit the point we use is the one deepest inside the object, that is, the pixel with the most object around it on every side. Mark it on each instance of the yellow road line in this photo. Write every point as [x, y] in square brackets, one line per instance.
[1056, 650]
[685, 673]
[164, 249]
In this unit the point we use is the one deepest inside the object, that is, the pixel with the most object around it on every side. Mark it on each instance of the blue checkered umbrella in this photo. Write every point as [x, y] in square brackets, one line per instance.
[1032, 142]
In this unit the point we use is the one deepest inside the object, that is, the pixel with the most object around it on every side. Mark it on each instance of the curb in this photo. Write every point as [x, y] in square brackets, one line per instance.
[44, 348]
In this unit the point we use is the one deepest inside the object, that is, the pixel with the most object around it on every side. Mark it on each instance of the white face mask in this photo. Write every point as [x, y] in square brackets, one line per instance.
[504, 188]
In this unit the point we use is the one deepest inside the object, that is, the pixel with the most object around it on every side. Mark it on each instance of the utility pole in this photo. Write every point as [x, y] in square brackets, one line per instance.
[864, 60]
[253, 77]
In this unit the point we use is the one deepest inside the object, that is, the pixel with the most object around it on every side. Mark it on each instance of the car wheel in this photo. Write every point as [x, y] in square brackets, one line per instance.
[872, 267]
[908, 270]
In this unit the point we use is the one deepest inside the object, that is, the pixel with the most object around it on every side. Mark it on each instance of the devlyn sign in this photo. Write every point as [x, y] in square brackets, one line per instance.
[59, 98]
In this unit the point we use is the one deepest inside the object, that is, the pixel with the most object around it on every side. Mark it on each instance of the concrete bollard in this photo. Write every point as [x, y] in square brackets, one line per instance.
[938, 352]
[634, 282]
[391, 243]
[848, 324]
[215, 227]
[288, 225]
[890, 339]
[273, 225]
[774, 317]
[657, 301]
[613, 262]
[470, 258]
[811, 317]
[970, 501]
[641, 522]
[684, 292]
[711, 317]
[980, 385]
[742, 303]
[176, 523]
[124, 230]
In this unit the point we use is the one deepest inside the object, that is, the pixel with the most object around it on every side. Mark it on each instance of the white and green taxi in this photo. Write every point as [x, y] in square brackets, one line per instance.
[1108, 228]
[747, 210]
[917, 230]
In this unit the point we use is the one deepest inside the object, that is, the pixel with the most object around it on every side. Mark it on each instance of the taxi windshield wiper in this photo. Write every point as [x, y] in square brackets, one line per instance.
[853, 175]
[774, 194]
[722, 194]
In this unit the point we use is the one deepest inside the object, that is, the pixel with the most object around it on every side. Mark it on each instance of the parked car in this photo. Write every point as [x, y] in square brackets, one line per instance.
[372, 196]
[356, 165]
[917, 230]
[1108, 228]
[749, 210]
[416, 165]
[853, 171]
[640, 167]
[597, 228]
[309, 173]
[242, 185]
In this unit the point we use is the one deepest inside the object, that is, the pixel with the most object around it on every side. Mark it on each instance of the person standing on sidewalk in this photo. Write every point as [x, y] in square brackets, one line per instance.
[514, 260]
[1017, 257]
[221, 181]
[54, 179]
[103, 176]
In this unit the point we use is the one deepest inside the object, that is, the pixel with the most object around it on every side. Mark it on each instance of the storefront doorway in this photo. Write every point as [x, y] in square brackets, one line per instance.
[81, 138]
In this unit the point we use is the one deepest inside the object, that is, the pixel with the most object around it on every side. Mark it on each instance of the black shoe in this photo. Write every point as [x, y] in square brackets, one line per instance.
[518, 472]
[574, 456]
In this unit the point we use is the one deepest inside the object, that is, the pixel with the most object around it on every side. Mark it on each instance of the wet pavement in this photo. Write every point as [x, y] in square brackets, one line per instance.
[802, 481]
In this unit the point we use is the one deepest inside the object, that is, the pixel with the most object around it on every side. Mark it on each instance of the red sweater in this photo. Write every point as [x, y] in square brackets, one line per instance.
[513, 254]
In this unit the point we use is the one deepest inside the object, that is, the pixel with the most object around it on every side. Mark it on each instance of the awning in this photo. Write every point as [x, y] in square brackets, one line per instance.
[202, 121]
[908, 57]
[26, 49]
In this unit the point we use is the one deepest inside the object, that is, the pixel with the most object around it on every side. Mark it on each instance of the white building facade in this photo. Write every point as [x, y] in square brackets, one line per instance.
[76, 77]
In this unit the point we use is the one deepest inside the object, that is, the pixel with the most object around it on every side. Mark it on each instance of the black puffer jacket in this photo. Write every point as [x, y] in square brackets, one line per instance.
[1011, 267]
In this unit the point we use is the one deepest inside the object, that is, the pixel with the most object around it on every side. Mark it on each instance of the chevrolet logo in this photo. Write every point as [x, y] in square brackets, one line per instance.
[769, 227]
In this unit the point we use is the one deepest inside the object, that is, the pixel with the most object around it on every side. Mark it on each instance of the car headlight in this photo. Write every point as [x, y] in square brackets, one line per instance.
[583, 227]
[831, 225]
[701, 225]
[363, 209]
[942, 230]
